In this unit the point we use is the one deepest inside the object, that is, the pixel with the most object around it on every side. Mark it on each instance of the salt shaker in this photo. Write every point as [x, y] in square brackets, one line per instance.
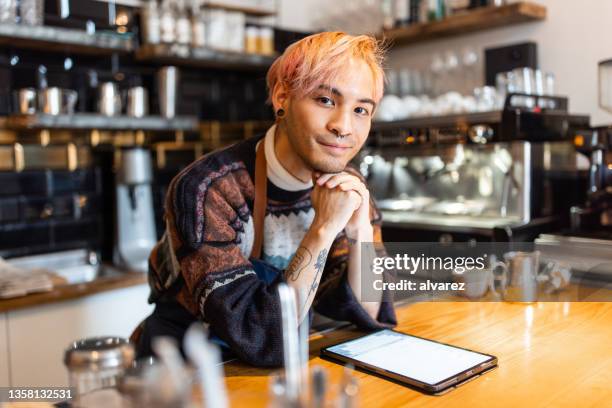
[97, 362]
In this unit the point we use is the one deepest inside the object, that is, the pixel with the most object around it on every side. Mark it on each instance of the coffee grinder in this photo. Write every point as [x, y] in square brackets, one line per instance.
[135, 233]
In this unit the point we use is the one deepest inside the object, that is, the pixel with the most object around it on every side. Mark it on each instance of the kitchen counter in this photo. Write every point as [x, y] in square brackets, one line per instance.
[111, 279]
[550, 354]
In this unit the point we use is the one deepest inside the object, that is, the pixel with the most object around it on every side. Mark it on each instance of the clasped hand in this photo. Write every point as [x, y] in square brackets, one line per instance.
[341, 201]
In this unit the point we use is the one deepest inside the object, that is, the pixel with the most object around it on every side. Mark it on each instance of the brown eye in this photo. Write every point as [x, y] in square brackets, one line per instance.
[361, 111]
[326, 101]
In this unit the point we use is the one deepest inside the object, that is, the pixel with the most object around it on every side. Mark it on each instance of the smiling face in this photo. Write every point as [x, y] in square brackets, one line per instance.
[328, 126]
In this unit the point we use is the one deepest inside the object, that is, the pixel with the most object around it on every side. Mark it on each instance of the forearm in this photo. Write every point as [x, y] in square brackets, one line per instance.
[306, 267]
[355, 269]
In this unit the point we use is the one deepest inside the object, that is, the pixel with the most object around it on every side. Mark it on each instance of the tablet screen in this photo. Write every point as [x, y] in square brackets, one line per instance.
[413, 357]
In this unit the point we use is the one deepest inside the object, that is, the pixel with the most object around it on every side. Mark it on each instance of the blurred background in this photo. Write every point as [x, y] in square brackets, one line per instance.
[494, 127]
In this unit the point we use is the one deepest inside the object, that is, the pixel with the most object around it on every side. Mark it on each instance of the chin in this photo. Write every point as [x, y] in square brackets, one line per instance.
[328, 166]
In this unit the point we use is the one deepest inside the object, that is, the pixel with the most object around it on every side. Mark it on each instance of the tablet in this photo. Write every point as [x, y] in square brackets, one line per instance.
[425, 364]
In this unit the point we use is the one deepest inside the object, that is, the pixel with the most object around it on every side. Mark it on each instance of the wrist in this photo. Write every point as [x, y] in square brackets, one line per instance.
[361, 233]
[323, 230]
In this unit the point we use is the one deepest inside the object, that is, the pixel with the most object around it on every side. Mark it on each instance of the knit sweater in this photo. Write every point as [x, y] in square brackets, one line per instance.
[202, 260]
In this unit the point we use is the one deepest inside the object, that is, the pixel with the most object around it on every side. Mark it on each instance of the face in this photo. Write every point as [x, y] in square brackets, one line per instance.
[327, 127]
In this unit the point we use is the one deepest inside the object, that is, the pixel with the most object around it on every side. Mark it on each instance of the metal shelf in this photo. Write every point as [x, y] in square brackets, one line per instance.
[46, 38]
[201, 57]
[457, 120]
[97, 121]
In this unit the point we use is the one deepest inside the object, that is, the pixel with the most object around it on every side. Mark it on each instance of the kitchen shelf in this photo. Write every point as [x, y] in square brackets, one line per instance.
[252, 11]
[97, 121]
[46, 38]
[474, 20]
[202, 57]
[457, 120]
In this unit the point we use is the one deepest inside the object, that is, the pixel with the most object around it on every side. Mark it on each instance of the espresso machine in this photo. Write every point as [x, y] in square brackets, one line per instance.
[592, 218]
[504, 175]
[595, 216]
[135, 233]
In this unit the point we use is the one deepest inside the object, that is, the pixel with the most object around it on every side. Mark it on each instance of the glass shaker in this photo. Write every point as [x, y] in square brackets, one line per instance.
[96, 363]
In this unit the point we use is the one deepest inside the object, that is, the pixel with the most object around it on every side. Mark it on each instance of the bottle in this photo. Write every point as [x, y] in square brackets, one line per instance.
[432, 10]
[251, 39]
[402, 13]
[441, 9]
[414, 11]
[267, 40]
[150, 22]
[198, 25]
[167, 25]
[386, 7]
[183, 25]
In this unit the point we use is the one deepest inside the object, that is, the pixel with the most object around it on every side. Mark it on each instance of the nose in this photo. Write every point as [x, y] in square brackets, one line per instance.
[340, 124]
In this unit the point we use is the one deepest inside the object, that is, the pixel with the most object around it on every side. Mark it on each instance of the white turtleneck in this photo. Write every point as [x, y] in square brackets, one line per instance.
[277, 174]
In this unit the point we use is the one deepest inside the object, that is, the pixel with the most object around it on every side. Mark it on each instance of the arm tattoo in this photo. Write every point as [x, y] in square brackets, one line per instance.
[319, 268]
[300, 260]
[351, 241]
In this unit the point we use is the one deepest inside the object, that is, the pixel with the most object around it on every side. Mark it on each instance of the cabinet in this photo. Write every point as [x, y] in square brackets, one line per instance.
[39, 335]
[4, 352]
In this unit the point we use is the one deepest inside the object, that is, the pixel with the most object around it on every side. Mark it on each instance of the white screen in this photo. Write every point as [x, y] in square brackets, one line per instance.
[419, 359]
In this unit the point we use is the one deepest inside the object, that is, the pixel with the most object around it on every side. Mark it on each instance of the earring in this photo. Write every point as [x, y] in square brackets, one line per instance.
[280, 113]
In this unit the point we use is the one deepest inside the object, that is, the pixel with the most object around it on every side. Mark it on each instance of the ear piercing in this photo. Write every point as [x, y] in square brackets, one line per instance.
[280, 113]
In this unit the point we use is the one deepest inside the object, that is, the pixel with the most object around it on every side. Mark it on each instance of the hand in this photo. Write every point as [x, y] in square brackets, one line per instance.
[334, 207]
[360, 220]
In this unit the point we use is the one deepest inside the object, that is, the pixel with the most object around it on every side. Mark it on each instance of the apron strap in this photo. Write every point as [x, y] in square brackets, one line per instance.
[260, 200]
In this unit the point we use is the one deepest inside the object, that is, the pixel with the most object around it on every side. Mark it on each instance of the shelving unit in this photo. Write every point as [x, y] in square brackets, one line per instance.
[201, 57]
[96, 121]
[64, 39]
[480, 19]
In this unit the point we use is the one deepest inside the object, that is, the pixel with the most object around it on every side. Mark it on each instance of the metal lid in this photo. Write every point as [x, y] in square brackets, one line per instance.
[99, 353]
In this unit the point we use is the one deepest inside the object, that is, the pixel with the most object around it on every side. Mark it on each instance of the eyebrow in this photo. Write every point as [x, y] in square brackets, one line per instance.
[335, 91]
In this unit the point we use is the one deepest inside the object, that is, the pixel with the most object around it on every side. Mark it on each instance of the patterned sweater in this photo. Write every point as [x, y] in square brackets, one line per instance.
[202, 260]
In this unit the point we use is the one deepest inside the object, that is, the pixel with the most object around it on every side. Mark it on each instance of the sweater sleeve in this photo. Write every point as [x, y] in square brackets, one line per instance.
[210, 221]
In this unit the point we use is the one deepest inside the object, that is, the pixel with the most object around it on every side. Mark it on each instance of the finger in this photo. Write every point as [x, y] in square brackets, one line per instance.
[322, 179]
[359, 188]
[356, 199]
[339, 179]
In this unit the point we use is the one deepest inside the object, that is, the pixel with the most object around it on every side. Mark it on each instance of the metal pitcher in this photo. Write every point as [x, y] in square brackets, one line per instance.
[109, 99]
[519, 278]
[57, 101]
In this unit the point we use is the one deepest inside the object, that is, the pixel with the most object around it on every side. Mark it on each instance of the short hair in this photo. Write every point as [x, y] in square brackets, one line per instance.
[318, 58]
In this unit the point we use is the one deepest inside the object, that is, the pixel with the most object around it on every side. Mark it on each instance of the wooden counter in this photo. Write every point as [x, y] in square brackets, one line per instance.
[551, 354]
[67, 292]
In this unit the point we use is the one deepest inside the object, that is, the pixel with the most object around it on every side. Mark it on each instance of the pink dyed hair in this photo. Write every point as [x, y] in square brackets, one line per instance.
[318, 58]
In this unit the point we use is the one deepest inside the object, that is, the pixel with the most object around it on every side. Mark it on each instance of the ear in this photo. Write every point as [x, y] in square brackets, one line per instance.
[280, 96]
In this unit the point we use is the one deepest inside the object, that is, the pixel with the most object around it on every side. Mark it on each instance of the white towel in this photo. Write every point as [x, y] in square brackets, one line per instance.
[16, 282]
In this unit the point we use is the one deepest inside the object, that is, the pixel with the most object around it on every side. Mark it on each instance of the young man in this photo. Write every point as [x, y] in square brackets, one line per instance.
[231, 238]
